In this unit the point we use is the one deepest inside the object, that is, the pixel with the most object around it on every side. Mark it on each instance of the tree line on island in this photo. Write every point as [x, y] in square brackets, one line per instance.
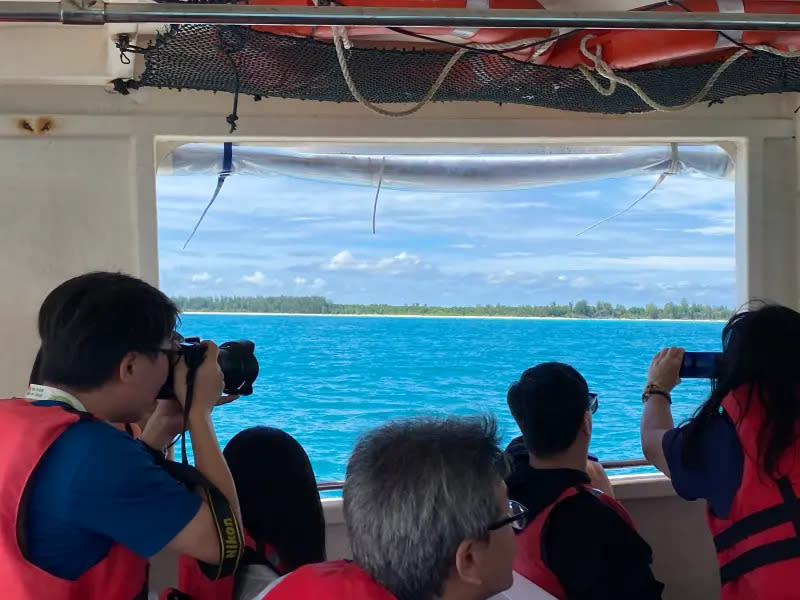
[575, 310]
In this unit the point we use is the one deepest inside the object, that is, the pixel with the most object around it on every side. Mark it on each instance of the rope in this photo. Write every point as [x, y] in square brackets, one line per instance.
[605, 70]
[377, 193]
[674, 167]
[348, 78]
[342, 42]
[541, 46]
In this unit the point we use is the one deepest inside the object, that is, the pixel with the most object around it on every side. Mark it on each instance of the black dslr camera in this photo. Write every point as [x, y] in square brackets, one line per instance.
[236, 359]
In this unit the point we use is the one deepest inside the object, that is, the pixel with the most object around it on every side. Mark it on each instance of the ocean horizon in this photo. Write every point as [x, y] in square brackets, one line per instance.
[326, 381]
[372, 315]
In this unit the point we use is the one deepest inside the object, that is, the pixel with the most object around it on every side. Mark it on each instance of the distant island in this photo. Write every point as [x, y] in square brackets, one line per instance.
[318, 305]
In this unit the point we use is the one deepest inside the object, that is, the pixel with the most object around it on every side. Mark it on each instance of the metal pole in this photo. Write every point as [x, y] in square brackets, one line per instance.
[30, 12]
[85, 12]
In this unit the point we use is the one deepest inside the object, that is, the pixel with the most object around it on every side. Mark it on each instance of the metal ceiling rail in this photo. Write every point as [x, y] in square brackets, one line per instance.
[91, 12]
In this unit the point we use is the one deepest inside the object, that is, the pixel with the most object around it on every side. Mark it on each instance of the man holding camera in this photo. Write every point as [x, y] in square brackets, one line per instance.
[82, 504]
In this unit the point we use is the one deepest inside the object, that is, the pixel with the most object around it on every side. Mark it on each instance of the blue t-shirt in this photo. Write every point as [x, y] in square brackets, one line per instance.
[716, 474]
[94, 486]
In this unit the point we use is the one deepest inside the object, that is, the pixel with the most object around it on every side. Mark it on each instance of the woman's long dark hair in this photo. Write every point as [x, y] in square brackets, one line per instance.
[278, 494]
[761, 348]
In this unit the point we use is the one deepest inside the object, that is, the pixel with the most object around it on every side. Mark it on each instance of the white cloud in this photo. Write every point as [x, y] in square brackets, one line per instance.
[462, 246]
[581, 282]
[553, 262]
[317, 284]
[588, 194]
[495, 278]
[713, 230]
[670, 263]
[513, 254]
[345, 261]
[526, 205]
[201, 277]
[258, 278]
[342, 261]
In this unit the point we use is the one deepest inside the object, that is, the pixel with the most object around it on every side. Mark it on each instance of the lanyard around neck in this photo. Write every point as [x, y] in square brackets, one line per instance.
[38, 392]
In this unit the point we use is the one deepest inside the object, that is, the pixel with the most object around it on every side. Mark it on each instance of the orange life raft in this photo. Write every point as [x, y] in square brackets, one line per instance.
[629, 48]
[623, 49]
[493, 36]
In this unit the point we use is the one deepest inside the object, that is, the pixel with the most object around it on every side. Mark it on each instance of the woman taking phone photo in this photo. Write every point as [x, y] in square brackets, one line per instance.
[740, 451]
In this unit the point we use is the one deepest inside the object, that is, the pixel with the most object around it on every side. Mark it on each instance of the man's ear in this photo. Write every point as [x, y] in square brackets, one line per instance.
[467, 562]
[127, 366]
[587, 424]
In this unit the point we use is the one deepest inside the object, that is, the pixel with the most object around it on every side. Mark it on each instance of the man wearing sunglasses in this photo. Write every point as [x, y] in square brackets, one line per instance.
[579, 543]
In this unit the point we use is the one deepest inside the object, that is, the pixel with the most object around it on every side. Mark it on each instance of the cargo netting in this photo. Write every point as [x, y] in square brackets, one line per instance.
[241, 60]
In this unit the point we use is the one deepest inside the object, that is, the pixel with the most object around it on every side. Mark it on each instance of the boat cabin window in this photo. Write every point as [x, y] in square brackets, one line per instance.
[383, 281]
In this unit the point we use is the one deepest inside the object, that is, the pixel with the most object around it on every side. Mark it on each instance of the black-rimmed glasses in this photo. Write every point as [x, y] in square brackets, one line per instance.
[172, 354]
[517, 517]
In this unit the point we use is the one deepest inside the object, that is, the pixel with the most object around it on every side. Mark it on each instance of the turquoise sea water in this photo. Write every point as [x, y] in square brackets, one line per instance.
[327, 379]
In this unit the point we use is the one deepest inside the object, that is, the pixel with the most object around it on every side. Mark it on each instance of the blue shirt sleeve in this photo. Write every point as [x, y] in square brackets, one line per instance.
[94, 486]
[716, 474]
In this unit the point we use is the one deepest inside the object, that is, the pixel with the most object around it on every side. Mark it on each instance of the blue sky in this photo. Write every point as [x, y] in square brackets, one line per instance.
[287, 236]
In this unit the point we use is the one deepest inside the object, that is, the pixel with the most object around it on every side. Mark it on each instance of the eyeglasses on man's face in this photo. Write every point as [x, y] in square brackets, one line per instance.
[517, 517]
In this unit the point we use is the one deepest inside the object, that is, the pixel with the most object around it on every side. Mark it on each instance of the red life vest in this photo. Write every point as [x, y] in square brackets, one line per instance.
[194, 584]
[333, 580]
[26, 432]
[529, 561]
[758, 545]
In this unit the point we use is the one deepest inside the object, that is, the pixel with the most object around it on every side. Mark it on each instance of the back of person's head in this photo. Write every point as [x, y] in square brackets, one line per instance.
[549, 403]
[89, 323]
[278, 494]
[760, 347]
[418, 501]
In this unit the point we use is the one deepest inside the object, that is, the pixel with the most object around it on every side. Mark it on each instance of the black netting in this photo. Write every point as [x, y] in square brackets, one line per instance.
[203, 57]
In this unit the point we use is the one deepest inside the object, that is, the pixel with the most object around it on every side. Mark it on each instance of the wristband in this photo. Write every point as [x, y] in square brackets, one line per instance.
[654, 390]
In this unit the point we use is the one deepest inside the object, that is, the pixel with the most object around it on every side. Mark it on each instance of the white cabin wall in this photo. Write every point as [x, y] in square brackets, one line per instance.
[767, 221]
[67, 207]
[82, 196]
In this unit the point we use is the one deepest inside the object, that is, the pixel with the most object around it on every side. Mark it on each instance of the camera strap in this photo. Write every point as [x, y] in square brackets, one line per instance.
[187, 406]
[230, 539]
[229, 530]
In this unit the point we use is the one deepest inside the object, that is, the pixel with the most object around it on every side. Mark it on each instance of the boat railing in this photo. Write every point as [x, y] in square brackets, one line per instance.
[609, 465]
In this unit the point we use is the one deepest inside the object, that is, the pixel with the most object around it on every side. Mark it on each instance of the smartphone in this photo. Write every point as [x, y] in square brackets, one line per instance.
[700, 365]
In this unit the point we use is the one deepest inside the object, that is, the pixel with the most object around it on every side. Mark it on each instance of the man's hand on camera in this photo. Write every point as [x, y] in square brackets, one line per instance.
[209, 383]
[163, 425]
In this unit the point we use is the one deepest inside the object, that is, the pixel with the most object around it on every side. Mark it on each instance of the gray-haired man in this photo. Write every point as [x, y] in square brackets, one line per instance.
[428, 517]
